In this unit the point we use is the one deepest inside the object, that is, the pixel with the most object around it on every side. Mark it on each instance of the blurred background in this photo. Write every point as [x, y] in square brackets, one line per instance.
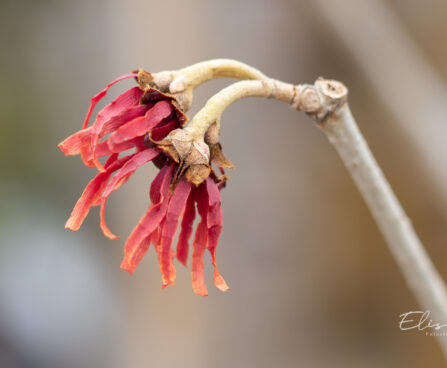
[312, 280]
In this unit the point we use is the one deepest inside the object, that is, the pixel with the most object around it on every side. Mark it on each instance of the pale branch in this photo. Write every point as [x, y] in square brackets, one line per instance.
[419, 272]
[181, 83]
[302, 97]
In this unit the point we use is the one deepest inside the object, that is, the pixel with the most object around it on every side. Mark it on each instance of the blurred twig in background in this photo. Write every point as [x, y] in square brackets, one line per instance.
[399, 73]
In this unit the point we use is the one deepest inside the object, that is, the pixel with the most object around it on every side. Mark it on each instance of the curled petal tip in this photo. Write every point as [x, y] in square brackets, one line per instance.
[112, 236]
[223, 287]
[165, 283]
[201, 293]
[107, 232]
[126, 267]
[98, 164]
[219, 281]
[182, 261]
[62, 147]
[105, 229]
[71, 227]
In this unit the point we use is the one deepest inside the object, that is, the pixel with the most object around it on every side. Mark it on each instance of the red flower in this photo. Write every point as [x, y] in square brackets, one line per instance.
[126, 123]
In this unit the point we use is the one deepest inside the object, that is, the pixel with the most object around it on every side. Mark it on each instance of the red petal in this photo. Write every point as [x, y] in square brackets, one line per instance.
[214, 217]
[162, 130]
[214, 223]
[172, 270]
[105, 148]
[121, 103]
[136, 142]
[92, 192]
[176, 207]
[72, 145]
[95, 99]
[141, 125]
[156, 239]
[156, 236]
[149, 222]
[199, 244]
[156, 192]
[186, 231]
[85, 152]
[120, 178]
[90, 195]
[140, 251]
[219, 281]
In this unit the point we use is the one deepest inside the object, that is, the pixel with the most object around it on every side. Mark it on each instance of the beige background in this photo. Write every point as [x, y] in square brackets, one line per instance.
[312, 281]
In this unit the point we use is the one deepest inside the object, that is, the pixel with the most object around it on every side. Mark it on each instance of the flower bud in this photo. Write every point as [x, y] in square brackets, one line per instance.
[192, 156]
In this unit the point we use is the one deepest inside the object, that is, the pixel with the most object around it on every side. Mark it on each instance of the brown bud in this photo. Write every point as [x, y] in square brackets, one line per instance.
[145, 80]
[196, 174]
[193, 157]
[179, 111]
[179, 140]
[170, 151]
[218, 158]
[198, 154]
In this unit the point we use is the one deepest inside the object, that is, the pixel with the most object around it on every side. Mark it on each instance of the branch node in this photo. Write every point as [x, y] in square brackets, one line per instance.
[306, 98]
[332, 95]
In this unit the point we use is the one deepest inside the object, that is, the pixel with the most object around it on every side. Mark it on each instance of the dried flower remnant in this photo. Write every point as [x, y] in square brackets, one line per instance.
[144, 121]
[184, 156]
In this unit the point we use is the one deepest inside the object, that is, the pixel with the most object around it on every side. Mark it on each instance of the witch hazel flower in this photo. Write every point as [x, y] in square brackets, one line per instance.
[147, 124]
[141, 125]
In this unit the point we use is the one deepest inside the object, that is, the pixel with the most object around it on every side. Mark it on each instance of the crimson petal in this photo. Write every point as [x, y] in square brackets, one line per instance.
[105, 148]
[95, 99]
[199, 244]
[137, 160]
[121, 103]
[72, 145]
[176, 207]
[156, 196]
[186, 230]
[214, 224]
[149, 222]
[139, 126]
[162, 130]
[92, 193]
[197, 273]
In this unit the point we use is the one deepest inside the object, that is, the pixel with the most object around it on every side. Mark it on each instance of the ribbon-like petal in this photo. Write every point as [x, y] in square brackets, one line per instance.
[116, 107]
[177, 204]
[149, 222]
[92, 193]
[137, 160]
[99, 96]
[186, 229]
[140, 125]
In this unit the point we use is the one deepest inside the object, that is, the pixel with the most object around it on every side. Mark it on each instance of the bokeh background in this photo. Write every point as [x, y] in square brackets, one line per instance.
[312, 280]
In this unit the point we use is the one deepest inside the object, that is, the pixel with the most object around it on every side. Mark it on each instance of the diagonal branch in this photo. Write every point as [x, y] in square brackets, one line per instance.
[326, 103]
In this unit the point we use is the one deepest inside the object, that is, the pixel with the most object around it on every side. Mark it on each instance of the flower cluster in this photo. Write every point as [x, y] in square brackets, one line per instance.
[148, 123]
